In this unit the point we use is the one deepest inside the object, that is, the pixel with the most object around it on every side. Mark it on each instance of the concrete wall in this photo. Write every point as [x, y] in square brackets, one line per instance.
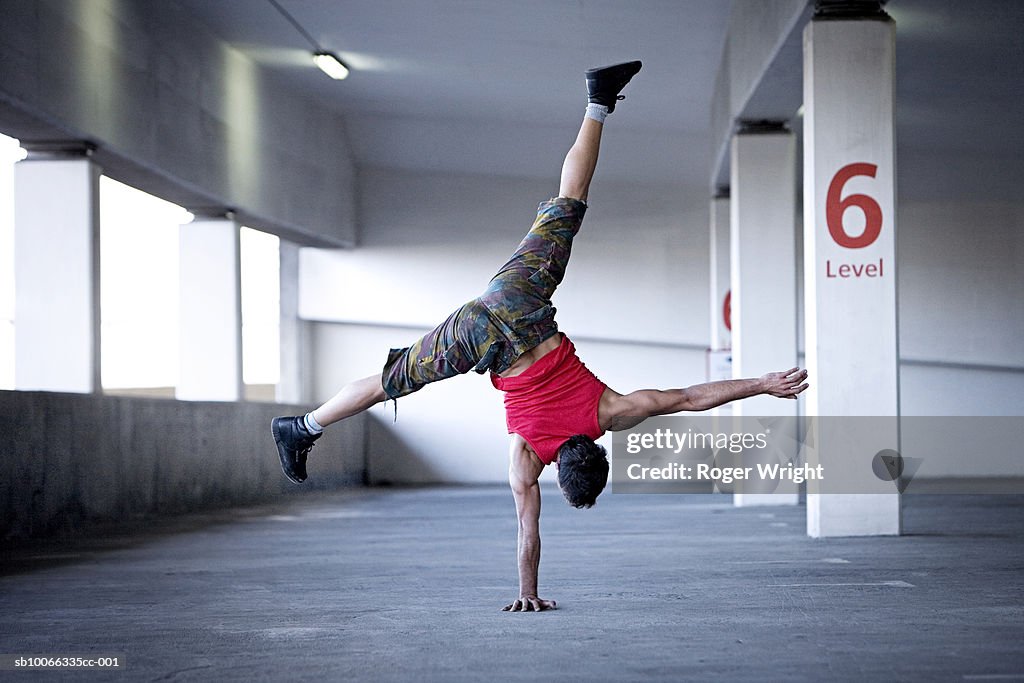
[430, 241]
[176, 112]
[961, 322]
[961, 278]
[633, 301]
[68, 461]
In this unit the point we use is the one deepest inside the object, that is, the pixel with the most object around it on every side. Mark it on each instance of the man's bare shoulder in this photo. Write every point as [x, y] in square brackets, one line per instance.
[617, 412]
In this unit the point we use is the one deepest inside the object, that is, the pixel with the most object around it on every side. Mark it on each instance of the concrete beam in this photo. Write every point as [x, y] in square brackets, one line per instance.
[759, 77]
[176, 112]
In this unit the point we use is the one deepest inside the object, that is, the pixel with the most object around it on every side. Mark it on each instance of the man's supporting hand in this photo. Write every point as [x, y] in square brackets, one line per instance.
[785, 384]
[530, 603]
[523, 471]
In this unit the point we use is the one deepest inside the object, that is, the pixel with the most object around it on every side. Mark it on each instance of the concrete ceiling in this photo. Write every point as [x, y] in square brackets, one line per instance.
[960, 72]
[496, 87]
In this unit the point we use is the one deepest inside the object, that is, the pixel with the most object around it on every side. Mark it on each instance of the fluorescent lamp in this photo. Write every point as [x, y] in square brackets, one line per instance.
[331, 65]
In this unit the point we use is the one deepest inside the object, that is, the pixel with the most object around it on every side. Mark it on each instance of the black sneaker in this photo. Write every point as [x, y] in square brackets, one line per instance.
[605, 83]
[293, 444]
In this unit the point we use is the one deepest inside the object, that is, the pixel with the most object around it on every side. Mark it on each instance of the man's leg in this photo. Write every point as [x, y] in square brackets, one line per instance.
[603, 87]
[580, 162]
[353, 398]
[295, 435]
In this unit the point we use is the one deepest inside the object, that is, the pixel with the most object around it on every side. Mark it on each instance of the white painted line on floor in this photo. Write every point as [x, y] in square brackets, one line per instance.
[338, 514]
[826, 560]
[888, 584]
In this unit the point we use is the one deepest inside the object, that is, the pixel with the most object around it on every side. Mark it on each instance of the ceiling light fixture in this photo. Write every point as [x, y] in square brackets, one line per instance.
[331, 65]
[328, 62]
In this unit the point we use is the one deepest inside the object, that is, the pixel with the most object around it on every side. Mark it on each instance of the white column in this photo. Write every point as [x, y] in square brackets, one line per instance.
[850, 261]
[719, 354]
[763, 272]
[56, 270]
[721, 334]
[289, 386]
[210, 310]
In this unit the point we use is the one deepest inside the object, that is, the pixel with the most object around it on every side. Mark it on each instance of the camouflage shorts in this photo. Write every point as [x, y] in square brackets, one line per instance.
[512, 316]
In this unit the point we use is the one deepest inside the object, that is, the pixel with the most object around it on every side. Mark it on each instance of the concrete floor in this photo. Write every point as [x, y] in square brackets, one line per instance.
[399, 585]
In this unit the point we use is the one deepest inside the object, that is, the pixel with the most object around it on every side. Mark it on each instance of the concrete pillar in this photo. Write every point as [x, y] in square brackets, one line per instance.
[719, 358]
[290, 385]
[721, 334]
[763, 271]
[210, 310]
[57, 269]
[849, 258]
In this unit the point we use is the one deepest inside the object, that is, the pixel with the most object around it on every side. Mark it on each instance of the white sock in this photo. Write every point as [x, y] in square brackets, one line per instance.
[597, 112]
[311, 424]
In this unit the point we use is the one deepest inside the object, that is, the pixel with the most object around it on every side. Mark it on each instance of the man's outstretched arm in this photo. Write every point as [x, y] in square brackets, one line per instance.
[523, 472]
[622, 412]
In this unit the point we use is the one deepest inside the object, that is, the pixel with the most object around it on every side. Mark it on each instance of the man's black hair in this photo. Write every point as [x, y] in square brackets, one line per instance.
[582, 470]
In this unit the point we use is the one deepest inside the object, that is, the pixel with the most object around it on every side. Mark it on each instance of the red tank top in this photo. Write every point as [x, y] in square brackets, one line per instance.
[555, 398]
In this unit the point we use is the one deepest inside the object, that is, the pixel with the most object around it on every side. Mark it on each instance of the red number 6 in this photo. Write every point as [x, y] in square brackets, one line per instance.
[835, 208]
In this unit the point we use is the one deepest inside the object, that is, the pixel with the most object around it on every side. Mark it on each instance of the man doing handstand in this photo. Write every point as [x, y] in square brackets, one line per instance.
[555, 407]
